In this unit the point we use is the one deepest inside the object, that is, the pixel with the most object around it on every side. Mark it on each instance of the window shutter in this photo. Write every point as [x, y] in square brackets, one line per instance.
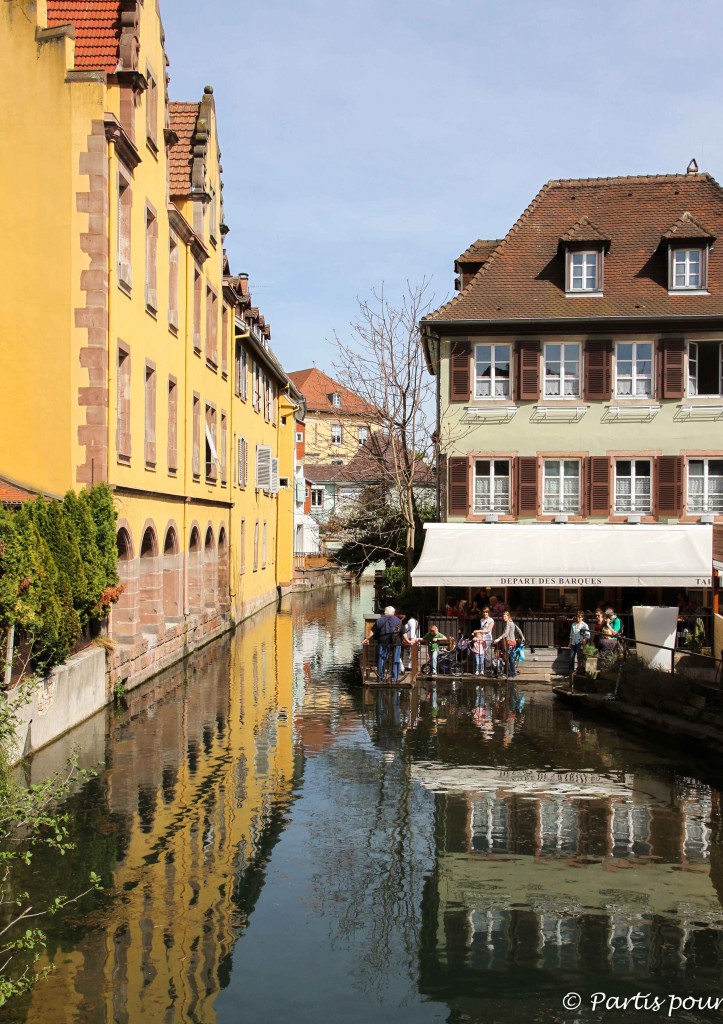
[669, 486]
[528, 371]
[671, 365]
[527, 486]
[458, 487]
[598, 371]
[274, 476]
[263, 467]
[459, 372]
[599, 477]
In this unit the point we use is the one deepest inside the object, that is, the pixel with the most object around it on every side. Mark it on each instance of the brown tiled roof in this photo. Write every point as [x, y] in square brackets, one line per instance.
[317, 388]
[11, 494]
[584, 230]
[371, 463]
[182, 120]
[687, 228]
[97, 28]
[524, 279]
[479, 251]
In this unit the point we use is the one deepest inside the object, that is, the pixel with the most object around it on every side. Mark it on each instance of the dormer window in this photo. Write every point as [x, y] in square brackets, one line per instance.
[687, 269]
[336, 399]
[584, 246]
[584, 271]
[688, 243]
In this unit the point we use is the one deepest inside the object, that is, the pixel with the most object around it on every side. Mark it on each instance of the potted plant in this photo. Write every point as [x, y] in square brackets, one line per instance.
[590, 653]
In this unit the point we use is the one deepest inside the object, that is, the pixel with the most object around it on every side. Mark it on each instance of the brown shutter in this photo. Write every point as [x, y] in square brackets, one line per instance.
[527, 486]
[528, 371]
[584, 487]
[671, 366]
[458, 487]
[669, 486]
[514, 497]
[599, 482]
[459, 372]
[598, 371]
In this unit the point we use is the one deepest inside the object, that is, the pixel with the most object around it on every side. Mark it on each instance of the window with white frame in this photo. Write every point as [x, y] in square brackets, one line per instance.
[562, 371]
[705, 369]
[633, 490]
[583, 271]
[705, 486]
[561, 485]
[686, 269]
[362, 434]
[336, 433]
[299, 435]
[492, 371]
[634, 369]
[336, 400]
[491, 485]
[317, 498]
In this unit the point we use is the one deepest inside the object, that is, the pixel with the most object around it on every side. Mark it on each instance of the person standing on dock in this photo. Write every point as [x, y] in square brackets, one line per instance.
[579, 636]
[433, 638]
[387, 632]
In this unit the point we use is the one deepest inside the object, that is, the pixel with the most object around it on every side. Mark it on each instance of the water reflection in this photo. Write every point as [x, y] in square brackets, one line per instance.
[277, 841]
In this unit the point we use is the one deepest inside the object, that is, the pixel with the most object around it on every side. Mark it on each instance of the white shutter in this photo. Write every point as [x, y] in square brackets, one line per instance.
[240, 462]
[274, 476]
[211, 444]
[263, 467]
[246, 462]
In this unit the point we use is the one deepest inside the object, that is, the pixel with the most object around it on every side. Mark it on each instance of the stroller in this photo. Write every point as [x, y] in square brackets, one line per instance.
[497, 659]
[451, 662]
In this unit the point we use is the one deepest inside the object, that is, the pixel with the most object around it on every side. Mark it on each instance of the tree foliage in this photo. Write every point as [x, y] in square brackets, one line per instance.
[383, 362]
[58, 571]
[29, 821]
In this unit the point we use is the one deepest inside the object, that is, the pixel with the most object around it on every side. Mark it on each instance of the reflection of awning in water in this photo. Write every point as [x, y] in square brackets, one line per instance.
[564, 555]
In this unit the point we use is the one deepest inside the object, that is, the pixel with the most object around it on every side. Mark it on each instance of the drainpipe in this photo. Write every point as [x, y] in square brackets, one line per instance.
[438, 428]
[186, 607]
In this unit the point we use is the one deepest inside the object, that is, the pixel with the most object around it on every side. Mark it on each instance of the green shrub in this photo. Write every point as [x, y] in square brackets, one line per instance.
[79, 518]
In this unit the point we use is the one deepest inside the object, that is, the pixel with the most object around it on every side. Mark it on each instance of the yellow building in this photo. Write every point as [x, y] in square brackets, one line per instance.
[198, 800]
[121, 366]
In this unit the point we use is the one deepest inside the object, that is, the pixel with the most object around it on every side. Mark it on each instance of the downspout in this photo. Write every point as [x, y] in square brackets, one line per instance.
[186, 607]
[438, 429]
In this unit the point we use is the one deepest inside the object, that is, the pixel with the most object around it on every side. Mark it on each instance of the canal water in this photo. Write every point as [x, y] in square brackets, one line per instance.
[277, 844]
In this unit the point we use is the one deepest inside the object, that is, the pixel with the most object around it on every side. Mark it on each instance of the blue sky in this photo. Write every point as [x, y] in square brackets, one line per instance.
[370, 142]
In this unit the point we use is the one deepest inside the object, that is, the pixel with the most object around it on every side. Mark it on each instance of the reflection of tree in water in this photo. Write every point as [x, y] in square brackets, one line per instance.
[370, 885]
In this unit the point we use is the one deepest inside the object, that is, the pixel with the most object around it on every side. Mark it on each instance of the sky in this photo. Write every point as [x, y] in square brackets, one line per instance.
[369, 142]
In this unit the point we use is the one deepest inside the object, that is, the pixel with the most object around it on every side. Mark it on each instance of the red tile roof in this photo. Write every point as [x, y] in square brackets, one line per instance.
[479, 251]
[687, 228]
[11, 494]
[372, 462]
[584, 230]
[97, 29]
[524, 279]
[317, 388]
[182, 120]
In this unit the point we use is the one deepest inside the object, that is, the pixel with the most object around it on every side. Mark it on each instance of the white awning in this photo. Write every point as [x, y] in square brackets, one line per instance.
[564, 555]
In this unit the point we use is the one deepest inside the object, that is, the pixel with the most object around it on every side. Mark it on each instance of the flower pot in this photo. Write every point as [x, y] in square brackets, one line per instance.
[591, 666]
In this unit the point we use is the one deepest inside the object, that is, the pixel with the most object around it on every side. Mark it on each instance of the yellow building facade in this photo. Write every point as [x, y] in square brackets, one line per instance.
[123, 365]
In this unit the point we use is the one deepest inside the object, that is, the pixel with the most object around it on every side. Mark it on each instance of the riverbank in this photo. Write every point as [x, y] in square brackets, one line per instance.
[89, 681]
[691, 722]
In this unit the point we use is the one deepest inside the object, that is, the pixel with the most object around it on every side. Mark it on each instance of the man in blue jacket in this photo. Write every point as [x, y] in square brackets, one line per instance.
[387, 632]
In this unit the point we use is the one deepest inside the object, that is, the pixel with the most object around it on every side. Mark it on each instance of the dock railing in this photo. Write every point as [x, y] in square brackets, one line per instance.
[403, 655]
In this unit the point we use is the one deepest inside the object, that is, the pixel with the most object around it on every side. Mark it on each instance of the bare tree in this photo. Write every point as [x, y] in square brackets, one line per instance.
[383, 363]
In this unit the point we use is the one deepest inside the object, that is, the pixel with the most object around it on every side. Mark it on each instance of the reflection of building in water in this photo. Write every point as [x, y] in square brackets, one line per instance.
[551, 870]
[201, 797]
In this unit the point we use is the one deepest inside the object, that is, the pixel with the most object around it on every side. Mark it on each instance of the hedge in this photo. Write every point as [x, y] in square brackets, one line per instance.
[58, 570]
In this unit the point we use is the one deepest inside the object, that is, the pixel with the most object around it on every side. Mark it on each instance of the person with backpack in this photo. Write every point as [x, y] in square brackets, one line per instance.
[387, 633]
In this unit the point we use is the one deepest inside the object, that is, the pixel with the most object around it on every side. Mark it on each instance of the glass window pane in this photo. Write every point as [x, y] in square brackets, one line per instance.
[502, 467]
[642, 467]
[622, 467]
[482, 467]
[572, 468]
